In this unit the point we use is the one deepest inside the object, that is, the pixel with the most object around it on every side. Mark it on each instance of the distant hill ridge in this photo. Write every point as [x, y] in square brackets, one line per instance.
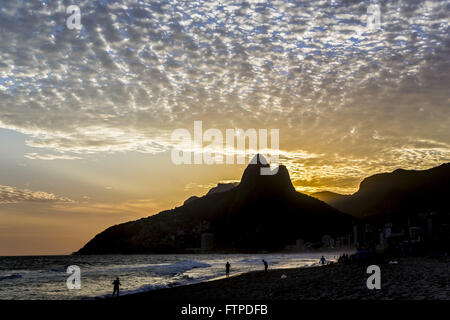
[395, 195]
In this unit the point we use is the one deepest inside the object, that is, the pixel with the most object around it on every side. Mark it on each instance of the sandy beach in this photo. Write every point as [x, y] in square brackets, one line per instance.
[409, 279]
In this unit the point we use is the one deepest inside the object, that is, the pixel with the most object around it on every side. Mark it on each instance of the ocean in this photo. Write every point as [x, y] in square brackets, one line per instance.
[45, 277]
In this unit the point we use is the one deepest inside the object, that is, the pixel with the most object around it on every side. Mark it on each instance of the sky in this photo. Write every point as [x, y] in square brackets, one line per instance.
[87, 115]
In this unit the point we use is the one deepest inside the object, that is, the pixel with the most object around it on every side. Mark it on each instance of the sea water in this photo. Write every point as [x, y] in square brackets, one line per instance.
[44, 277]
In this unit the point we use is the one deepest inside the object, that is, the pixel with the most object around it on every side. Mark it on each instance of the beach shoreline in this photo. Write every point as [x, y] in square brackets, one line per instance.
[408, 279]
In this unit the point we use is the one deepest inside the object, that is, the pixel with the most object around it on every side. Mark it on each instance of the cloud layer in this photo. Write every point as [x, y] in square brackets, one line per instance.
[13, 195]
[366, 99]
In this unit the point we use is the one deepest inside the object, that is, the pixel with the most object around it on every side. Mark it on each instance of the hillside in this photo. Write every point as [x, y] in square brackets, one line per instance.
[397, 195]
[330, 197]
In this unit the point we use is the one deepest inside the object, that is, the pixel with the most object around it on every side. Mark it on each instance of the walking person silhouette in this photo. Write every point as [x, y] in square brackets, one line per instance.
[116, 284]
[227, 269]
[266, 265]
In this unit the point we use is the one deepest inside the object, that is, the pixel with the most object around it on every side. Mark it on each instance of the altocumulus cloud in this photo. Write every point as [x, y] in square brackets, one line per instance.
[139, 69]
[13, 195]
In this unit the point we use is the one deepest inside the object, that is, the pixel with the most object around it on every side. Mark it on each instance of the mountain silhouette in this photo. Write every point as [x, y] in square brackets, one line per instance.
[263, 212]
[395, 196]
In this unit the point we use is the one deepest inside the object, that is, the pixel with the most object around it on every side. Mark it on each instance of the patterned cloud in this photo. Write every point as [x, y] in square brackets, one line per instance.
[14, 195]
[366, 99]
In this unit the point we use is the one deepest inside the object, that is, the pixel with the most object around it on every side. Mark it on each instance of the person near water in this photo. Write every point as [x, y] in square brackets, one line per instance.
[322, 260]
[227, 269]
[266, 265]
[116, 284]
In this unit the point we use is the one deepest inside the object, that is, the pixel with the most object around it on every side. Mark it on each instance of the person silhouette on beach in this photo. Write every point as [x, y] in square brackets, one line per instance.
[266, 265]
[227, 269]
[322, 260]
[116, 284]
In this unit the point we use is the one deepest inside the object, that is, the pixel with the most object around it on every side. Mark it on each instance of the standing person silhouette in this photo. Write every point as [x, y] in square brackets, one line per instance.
[322, 260]
[227, 269]
[266, 265]
[116, 284]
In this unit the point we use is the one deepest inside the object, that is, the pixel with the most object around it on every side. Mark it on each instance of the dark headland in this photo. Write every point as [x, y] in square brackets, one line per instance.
[261, 213]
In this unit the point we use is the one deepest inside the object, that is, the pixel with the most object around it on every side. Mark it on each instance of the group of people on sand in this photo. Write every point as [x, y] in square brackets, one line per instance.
[344, 259]
[322, 260]
[228, 267]
[362, 256]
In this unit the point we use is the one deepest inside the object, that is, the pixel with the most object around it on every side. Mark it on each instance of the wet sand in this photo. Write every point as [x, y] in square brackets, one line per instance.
[410, 279]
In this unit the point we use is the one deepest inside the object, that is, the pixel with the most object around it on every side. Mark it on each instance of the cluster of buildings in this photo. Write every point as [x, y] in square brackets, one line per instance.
[414, 231]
